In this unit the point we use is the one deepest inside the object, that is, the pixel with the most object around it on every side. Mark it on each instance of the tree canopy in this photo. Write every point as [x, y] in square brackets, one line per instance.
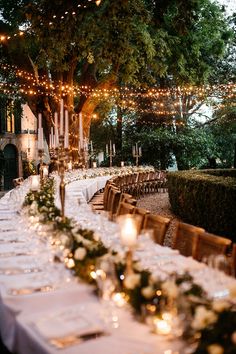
[119, 43]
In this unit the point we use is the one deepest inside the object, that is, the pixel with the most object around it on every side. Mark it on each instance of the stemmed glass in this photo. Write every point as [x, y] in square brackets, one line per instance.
[107, 285]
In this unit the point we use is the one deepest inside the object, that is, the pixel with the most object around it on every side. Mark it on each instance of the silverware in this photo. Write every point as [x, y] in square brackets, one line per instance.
[14, 271]
[64, 342]
[28, 291]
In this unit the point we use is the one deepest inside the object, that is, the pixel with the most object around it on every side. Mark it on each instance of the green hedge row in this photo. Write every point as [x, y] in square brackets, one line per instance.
[205, 198]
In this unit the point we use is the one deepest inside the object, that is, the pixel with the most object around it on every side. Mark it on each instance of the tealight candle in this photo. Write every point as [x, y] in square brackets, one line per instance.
[45, 171]
[69, 166]
[162, 326]
[128, 230]
[119, 299]
[35, 183]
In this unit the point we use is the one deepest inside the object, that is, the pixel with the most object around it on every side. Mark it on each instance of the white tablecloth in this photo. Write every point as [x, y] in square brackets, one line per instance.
[33, 287]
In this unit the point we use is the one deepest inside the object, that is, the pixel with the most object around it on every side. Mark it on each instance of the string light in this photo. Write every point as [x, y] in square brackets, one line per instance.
[154, 101]
[52, 21]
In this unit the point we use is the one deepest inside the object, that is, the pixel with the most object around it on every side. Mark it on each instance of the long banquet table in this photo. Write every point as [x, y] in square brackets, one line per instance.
[40, 300]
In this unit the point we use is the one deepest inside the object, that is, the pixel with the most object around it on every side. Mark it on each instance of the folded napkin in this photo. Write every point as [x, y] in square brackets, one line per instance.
[68, 322]
[24, 284]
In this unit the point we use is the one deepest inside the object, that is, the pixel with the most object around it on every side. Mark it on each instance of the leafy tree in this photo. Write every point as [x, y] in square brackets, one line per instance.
[137, 42]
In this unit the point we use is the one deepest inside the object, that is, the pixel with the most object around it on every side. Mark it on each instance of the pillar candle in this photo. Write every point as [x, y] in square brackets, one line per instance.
[40, 120]
[81, 130]
[28, 140]
[34, 183]
[56, 130]
[66, 141]
[61, 117]
[133, 148]
[128, 232]
[107, 149]
[114, 149]
[91, 146]
[40, 141]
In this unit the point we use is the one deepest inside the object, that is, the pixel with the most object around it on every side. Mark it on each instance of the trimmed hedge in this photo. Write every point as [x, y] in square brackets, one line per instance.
[206, 198]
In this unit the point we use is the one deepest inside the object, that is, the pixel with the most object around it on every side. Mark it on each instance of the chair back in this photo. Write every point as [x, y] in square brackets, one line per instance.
[125, 208]
[210, 245]
[113, 202]
[142, 212]
[159, 224]
[185, 238]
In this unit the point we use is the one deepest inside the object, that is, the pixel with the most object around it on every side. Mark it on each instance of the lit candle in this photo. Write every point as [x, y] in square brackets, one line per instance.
[128, 231]
[40, 138]
[51, 138]
[28, 135]
[69, 166]
[66, 140]
[133, 148]
[50, 141]
[35, 183]
[94, 164]
[119, 299]
[61, 117]
[110, 147]
[81, 130]
[40, 120]
[162, 326]
[122, 164]
[45, 171]
[56, 130]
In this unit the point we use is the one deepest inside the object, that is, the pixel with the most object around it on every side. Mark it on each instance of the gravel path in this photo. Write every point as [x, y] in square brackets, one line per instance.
[158, 203]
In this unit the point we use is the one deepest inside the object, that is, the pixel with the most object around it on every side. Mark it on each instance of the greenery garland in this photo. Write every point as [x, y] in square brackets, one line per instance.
[210, 324]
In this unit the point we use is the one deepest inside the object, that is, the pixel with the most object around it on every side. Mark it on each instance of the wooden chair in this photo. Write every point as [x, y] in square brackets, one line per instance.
[159, 224]
[113, 202]
[100, 202]
[125, 208]
[142, 212]
[185, 238]
[210, 245]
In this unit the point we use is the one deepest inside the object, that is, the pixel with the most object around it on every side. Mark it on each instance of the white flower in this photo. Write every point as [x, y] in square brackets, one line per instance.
[70, 263]
[215, 349]
[132, 280]
[220, 305]
[137, 266]
[203, 318]
[148, 292]
[96, 237]
[80, 253]
[118, 258]
[34, 207]
[153, 279]
[170, 288]
[233, 337]
[64, 239]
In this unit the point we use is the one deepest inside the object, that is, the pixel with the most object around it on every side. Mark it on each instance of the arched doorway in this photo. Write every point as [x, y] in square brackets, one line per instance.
[11, 166]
